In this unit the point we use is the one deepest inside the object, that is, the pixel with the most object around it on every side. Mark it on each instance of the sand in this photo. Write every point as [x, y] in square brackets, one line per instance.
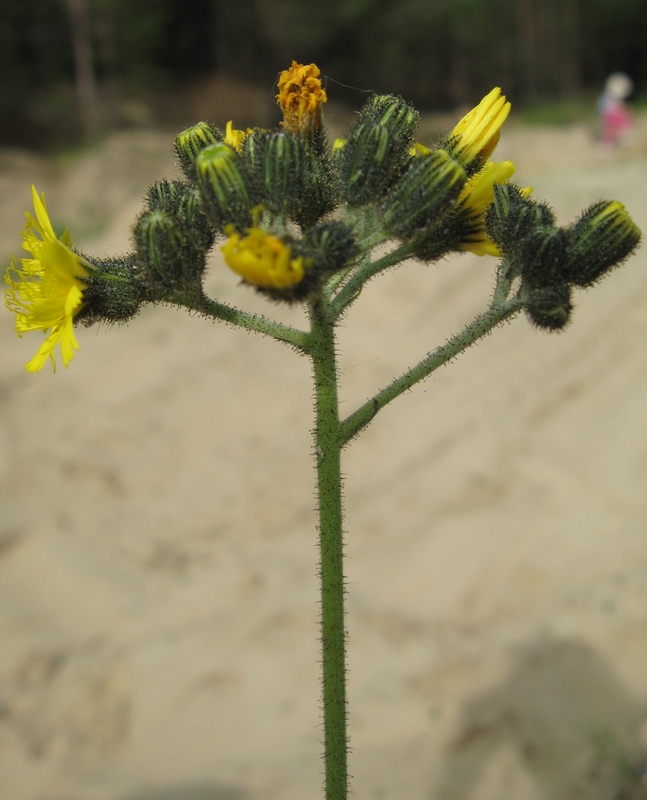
[158, 587]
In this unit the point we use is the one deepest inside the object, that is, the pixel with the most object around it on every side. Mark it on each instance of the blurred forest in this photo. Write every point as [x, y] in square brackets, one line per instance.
[72, 68]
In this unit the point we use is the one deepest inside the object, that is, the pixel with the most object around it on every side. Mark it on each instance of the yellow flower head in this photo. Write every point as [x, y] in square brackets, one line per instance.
[263, 260]
[300, 97]
[474, 138]
[473, 202]
[46, 292]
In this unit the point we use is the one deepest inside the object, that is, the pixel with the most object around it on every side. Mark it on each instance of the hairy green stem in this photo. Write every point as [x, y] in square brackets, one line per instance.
[330, 436]
[504, 279]
[329, 491]
[243, 319]
[358, 420]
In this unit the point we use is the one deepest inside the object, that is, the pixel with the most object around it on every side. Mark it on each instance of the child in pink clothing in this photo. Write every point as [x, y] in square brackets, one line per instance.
[617, 120]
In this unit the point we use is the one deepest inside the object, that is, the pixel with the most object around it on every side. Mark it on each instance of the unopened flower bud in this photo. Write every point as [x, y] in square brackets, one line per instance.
[367, 164]
[191, 142]
[425, 192]
[183, 201]
[319, 195]
[224, 190]
[549, 307]
[167, 258]
[603, 237]
[165, 194]
[399, 117]
[512, 215]
[278, 161]
[332, 244]
[541, 256]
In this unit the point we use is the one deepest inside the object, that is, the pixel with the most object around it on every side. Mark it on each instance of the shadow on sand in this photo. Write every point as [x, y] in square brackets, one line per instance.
[561, 724]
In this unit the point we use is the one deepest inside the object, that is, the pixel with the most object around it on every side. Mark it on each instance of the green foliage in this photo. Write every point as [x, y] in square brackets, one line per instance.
[437, 53]
[561, 112]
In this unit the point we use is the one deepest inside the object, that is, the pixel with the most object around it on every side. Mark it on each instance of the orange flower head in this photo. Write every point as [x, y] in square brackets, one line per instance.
[301, 97]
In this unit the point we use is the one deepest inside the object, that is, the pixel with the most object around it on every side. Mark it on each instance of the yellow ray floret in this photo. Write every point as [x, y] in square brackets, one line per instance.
[46, 291]
[473, 202]
[477, 134]
[263, 260]
[234, 137]
[300, 97]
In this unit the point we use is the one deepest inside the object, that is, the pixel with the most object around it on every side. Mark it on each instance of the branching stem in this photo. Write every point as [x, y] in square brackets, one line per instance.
[483, 324]
[253, 322]
[330, 436]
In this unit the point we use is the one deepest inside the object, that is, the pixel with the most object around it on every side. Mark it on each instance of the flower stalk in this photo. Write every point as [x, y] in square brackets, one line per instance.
[355, 423]
[331, 548]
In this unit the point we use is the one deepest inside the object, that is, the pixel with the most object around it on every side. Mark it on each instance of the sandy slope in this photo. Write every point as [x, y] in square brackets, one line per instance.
[157, 564]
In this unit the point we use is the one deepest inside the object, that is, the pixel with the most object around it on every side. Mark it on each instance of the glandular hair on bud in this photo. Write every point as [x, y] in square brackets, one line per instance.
[391, 111]
[367, 164]
[223, 188]
[603, 237]
[167, 258]
[541, 256]
[548, 307]
[290, 174]
[426, 191]
[279, 169]
[332, 245]
[158, 241]
[512, 215]
[193, 220]
[192, 141]
[165, 194]
[183, 202]
[113, 292]
[319, 196]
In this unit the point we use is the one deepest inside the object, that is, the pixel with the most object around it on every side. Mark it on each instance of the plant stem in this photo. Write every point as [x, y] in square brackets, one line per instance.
[329, 491]
[243, 319]
[359, 419]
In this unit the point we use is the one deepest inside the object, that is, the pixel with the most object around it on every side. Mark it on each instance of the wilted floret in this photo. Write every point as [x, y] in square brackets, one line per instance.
[301, 97]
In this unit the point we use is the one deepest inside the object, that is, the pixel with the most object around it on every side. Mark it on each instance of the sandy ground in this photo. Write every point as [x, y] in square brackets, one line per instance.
[158, 590]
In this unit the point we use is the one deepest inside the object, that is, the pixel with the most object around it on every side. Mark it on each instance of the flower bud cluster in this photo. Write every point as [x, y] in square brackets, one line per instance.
[437, 203]
[551, 260]
[265, 191]
[272, 194]
[293, 214]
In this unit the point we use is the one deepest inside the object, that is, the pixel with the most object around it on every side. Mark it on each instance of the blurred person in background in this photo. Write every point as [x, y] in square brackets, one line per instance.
[617, 120]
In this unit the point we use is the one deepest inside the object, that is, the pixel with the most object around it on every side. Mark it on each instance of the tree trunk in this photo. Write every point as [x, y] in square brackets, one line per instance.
[84, 80]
